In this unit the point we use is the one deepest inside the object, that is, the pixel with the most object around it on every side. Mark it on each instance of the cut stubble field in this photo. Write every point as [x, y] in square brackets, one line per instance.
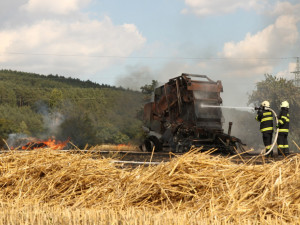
[53, 187]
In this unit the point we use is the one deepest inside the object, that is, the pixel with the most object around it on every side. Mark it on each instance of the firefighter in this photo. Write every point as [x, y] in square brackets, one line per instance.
[283, 126]
[265, 117]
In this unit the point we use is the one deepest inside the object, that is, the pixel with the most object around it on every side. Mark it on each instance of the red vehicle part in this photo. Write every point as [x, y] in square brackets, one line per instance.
[185, 113]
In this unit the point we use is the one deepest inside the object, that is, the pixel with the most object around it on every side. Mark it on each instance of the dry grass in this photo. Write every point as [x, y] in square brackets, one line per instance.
[189, 188]
[110, 147]
[69, 216]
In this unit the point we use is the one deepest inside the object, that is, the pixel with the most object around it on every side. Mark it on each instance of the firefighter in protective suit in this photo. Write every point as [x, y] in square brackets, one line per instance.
[283, 126]
[265, 117]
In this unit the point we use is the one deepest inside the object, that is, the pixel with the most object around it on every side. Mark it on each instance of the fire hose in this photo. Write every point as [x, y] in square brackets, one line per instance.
[276, 134]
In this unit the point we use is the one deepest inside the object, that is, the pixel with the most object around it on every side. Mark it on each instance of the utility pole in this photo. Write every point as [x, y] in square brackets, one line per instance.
[297, 74]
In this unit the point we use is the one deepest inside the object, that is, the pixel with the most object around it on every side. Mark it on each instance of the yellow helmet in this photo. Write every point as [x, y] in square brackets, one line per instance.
[284, 104]
[265, 104]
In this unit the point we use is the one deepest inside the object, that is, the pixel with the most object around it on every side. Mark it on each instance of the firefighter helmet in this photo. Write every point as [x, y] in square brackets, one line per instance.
[265, 104]
[284, 104]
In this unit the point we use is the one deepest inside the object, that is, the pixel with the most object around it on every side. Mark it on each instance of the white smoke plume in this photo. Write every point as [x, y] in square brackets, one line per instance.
[52, 120]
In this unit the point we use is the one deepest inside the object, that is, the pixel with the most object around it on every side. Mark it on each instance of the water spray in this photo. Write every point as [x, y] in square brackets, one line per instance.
[226, 107]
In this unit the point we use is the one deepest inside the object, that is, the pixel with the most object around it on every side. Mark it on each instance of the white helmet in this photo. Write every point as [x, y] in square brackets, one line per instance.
[265, 104]
[284, 104]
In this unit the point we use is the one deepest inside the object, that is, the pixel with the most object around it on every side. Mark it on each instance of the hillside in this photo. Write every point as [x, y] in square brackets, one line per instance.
[85, 112]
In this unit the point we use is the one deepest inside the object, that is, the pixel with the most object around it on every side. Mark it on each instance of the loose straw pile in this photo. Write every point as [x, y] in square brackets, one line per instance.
[195, 181]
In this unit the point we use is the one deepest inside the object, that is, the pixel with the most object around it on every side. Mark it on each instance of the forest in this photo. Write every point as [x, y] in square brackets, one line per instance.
[84, 112]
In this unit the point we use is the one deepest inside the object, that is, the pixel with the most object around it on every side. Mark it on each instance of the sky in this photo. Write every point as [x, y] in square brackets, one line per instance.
[130, 43]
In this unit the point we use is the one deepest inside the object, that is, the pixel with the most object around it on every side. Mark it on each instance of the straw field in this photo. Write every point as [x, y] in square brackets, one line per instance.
[120, 147]
[50, 187]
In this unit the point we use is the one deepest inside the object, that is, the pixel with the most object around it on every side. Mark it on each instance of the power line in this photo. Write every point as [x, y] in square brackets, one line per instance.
[148, 57]
[297, 74]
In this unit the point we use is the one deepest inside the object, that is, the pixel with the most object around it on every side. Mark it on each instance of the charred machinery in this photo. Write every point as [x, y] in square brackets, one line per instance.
[185, 113]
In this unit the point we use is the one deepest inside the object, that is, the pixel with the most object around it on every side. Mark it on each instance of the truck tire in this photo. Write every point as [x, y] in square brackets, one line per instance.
[150, 143]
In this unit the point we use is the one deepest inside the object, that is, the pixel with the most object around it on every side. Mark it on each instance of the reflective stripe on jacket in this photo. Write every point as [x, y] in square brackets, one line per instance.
[284, 120]
[265, 118]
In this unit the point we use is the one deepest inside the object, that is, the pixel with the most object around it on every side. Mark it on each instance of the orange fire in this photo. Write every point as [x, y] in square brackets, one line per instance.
[50, 143]
[122, 146]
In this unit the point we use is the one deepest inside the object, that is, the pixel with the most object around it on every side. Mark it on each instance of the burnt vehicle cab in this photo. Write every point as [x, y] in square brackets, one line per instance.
[185, 113]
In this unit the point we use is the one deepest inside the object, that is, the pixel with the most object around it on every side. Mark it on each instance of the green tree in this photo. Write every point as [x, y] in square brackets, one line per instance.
[7, 95]
[79, 129]
[148, 90]
[120, 138]
[5, 129]
[24, 128]
[275, 90]
[56, 98]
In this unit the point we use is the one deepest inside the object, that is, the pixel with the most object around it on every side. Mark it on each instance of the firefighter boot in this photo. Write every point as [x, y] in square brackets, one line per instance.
[286, 152]
[283, 151]
[270, 154]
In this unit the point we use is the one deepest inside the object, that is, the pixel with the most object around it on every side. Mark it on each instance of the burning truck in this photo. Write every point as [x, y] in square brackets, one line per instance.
[186, 113]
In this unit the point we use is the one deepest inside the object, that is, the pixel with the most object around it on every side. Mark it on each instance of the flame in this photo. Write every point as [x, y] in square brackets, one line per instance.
[122, 146]
[50, 143]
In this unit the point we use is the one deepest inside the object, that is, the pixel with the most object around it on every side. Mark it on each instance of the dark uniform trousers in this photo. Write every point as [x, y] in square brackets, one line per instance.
[267, 139]
[283, 125]
[282, 142]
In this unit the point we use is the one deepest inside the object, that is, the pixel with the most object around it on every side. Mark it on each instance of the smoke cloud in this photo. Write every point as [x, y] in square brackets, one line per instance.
[244, 127]
[136, 77]
[52, 121]
[17, 140]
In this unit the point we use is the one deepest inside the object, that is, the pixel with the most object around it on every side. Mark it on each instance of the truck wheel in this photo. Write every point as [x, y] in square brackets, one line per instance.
[150, 143]
[233, 148]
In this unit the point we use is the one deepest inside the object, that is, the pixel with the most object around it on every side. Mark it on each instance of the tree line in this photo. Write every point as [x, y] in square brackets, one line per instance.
[67, 108]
